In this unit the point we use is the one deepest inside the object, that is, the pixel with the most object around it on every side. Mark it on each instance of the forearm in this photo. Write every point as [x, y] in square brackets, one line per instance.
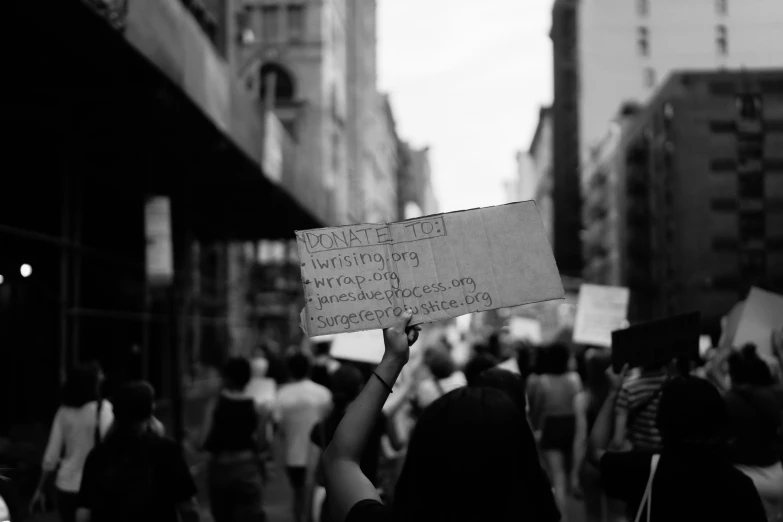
[355, 428]
[45, 476]
[602, 429]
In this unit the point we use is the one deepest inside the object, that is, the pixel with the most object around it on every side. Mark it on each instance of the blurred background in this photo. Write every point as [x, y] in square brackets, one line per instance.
[160, 155]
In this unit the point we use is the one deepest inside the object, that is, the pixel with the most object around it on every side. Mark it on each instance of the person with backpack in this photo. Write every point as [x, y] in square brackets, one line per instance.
[80, 423]
[234, 438]
[755, 406]
[136, 474]
[691, 477]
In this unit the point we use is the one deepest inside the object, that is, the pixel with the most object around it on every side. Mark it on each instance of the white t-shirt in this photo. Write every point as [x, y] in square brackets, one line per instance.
[71, 440]
[298, 408]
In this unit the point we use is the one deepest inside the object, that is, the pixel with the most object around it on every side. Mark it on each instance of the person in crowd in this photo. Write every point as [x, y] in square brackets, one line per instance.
[347, 383]
[440, 377]
[637, 408]
[691, 478]
[231, 437]
[586, 477]
[81, 422]
[136, 474]
[324, 365]
[552, 415]
[263, 390]
[477, 364]
[300, 405]
[464, 463]
[543, 505]
[755, 407]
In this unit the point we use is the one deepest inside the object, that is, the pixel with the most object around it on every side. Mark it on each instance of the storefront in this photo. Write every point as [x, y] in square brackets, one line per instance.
[97, 128]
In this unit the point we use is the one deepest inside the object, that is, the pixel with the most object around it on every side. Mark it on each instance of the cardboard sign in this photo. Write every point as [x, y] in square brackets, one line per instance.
[762, 313]
[362, 277]
[656, 342]
[600, 311]
[524, 329]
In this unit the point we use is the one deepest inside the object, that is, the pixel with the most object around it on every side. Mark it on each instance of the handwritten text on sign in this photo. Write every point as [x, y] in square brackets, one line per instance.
[362, 277]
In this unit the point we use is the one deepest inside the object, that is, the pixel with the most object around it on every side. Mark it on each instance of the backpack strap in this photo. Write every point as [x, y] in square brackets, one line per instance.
[647, 497]
[98, 411]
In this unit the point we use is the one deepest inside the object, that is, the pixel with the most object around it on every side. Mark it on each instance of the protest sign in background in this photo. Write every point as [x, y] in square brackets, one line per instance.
[762, 313]
[362, 277]
[600, 311]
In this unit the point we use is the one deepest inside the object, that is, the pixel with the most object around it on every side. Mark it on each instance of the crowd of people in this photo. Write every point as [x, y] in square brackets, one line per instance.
[517, 433]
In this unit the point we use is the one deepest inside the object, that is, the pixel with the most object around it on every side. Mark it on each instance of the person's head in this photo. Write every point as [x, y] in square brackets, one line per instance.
[480, 362]
[346, 383]
[260, 367]
[747, 368]
[512, 384]
[299, 366]
[555, 359]
[691, 414]
[236, 373]
[133, 405]
[82, 385]
[523, 351]
[597, 361]
[465, 461]
[439, 362]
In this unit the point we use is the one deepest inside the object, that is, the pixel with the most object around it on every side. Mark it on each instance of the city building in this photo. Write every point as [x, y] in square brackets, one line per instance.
[416, 195]
[684, 200]
[153, 154]
[627, 48]
[541, 153]
[292, 57]
[566, 221]
[533, 177]
[362, 132]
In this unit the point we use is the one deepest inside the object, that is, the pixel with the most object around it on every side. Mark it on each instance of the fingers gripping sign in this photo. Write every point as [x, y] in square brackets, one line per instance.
[399, 338]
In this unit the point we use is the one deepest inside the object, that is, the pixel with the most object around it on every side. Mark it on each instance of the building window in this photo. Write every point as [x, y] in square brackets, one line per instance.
[649, 77]
[722, 40]
[753, 262]
[749, 106]
[751, 186]
[722, 7]
[296, 22]
[270, 23]
[643, 7]
[643, 41]
[752, 225]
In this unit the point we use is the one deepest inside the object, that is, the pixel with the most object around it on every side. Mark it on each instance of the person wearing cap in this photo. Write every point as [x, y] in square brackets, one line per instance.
[136, 474]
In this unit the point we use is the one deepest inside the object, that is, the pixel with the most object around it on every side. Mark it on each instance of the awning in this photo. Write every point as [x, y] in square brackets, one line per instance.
[75, 72]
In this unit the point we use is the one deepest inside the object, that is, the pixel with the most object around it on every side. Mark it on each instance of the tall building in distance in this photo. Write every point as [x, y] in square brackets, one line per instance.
[627, 48]
[566, 200]
[416, 194]
[532, 179]
[382, 189]
[684, 200]
[362, 96]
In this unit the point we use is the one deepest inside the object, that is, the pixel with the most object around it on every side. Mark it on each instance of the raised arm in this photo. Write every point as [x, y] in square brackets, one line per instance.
[345, 483]
[580, 438]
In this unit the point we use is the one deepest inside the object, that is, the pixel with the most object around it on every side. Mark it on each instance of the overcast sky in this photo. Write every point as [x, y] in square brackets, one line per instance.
[466, 78]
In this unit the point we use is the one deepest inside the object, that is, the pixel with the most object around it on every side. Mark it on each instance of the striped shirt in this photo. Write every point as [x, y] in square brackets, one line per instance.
[639, 398]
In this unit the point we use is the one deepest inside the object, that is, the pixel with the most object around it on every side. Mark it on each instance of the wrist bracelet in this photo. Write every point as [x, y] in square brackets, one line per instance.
[384, 382]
